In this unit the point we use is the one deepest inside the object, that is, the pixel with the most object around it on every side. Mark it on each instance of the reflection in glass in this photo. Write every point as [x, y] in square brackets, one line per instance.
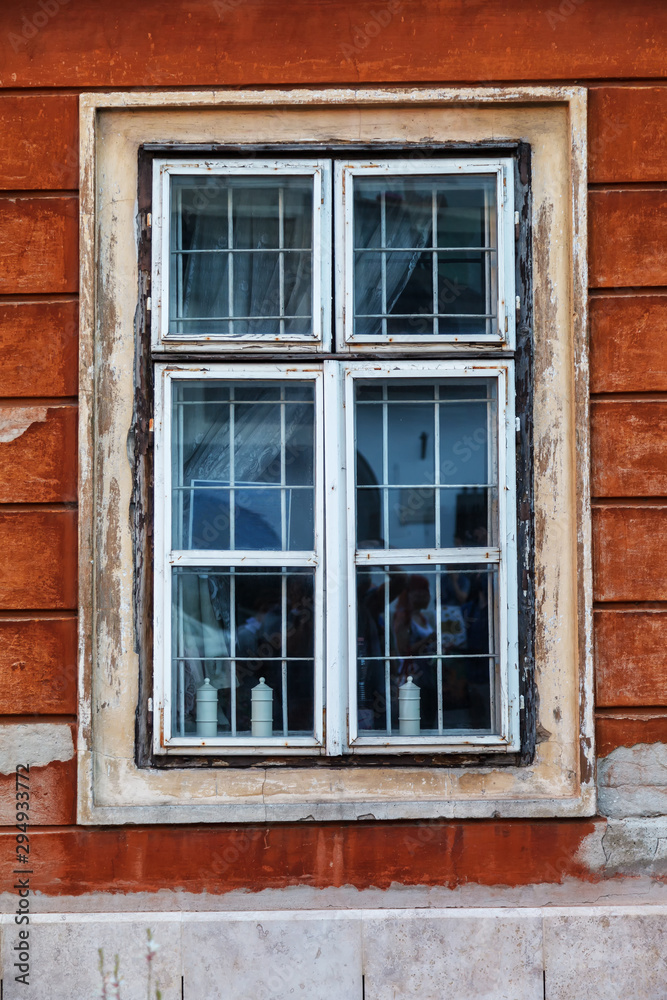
[438, 625]
[426, 463]
[241, 255]
[425, 255]
[234, 626]
[243, 465]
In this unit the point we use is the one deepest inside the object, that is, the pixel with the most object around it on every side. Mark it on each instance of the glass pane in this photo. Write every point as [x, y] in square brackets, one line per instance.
[436, 625]
[426, 463]
[243, 465]
[234, 627]
[425, 255]
[241, 255]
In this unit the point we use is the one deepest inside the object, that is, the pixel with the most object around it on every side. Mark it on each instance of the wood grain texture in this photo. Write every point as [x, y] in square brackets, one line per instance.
[38, 559]
[38, 454]
[627, 238]
[39, 142]
[39, 245]
[38, 666]
[629, 561]
[628, 448]
[630, 658]
[39, 349]
[138, 859]
[628, 731]
[231, 43]
[627, 343]
[627, 134]
[52, 795]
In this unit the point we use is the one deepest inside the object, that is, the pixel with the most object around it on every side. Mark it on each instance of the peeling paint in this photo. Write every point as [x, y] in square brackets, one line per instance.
[34, 744]
[15, 420]
[632, 781]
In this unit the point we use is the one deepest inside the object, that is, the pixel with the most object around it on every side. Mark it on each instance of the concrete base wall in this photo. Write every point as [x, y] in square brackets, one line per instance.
[559, 953]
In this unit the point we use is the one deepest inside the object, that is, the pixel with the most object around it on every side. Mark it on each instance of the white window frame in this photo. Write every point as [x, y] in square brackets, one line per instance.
[343, 558]
[166, 559]
[163, 171]
[335, 560]
[344, 175]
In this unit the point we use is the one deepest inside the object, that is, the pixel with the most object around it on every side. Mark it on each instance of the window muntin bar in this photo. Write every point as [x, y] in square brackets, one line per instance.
[234, 626]
[242, 247]
[449, 721]
[441, 488]
[437, 625]
[434, 253]
[268, 430]
[244, 460]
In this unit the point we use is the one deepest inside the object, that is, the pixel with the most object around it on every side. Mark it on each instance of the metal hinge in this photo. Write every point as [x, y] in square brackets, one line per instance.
[516, 226]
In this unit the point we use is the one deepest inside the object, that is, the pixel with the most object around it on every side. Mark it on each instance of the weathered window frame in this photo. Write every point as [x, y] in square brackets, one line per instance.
[345, 173]
[163, 171]
[114, 785]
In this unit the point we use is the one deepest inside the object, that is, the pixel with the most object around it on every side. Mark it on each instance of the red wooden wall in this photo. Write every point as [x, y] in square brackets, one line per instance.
[52, 49]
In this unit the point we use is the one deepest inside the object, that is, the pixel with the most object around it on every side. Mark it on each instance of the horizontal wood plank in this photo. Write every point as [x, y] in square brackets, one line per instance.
[38, 666]
[629, 561]
[630, 658]
[38, 559]
[628, 731]
[39, 144]
[39, 349]
[627, 134]
[140, 859]
[52, 795]
[227, 42]
[627, 343]
[38, 454]
[39, 244]
[627, 238]
[628, 448]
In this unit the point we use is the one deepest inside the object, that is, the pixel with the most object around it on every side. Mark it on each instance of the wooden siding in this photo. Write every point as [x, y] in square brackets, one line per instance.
[39, 238]
[232, 43]
[362, 855]
[627, 345]
[38, 666]
[39, 142]
[621, 49]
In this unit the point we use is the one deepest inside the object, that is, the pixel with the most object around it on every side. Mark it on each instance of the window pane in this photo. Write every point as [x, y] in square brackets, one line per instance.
[241, 255]
[425, 255]
[426, 463]
[235, 627]
[438, 626]
[243, 465]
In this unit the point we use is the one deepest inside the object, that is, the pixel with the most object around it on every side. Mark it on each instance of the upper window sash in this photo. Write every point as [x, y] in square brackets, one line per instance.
[271, 244]
[415, 267]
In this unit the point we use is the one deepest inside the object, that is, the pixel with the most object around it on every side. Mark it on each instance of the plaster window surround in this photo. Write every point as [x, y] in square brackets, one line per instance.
[123, 777]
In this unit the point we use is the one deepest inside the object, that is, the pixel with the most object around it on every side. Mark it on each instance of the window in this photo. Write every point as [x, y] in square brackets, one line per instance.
[265, 638]
[159, 341]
